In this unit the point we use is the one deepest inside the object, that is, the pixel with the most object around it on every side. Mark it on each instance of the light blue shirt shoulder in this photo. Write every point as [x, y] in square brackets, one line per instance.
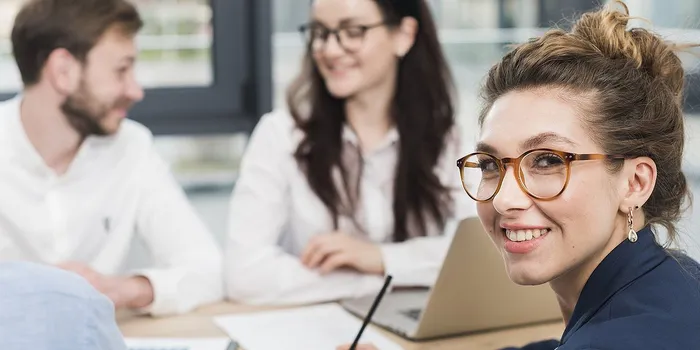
[48, 308]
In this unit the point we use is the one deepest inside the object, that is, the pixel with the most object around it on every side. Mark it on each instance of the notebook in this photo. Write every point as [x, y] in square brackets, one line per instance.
[179, 344]
[324, 326]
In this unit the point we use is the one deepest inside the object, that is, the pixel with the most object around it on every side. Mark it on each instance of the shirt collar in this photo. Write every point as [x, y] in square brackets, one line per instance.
[626, 263]
[21, 148]
[24, 152]
[390, 139]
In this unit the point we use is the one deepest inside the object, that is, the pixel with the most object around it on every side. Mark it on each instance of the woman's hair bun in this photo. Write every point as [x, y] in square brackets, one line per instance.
[606, 31]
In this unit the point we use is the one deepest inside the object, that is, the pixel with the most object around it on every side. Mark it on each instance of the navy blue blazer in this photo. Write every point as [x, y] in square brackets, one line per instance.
[640, 297]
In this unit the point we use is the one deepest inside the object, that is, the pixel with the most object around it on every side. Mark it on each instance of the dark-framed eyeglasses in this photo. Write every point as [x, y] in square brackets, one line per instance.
[541, 173]
[349, 37]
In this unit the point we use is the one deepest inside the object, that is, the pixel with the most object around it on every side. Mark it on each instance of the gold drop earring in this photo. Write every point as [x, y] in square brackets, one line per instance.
[631, 234]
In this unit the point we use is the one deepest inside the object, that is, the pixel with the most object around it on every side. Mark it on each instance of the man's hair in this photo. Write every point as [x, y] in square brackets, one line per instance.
[42, 26]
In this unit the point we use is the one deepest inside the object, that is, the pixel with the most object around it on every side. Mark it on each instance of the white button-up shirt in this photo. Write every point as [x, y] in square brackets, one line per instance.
[274, 212]
[115, 188]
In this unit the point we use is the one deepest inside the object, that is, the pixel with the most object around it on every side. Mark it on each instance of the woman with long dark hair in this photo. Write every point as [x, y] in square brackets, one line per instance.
[356, 180]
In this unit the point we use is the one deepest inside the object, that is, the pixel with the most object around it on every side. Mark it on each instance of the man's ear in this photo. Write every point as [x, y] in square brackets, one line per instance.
[405, 36]
[63, 71]
[639, 176]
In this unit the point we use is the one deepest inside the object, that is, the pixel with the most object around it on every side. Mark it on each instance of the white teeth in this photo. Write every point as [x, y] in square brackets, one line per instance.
[525, 235]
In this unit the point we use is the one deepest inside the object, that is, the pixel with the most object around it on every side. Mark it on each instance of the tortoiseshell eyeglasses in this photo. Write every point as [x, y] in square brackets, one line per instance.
[541, 173]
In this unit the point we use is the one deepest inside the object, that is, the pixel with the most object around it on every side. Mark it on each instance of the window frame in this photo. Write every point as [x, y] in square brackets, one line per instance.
[241, 88]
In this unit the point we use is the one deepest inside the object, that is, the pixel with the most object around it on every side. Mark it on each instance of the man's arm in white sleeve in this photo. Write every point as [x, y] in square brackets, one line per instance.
[187, 269]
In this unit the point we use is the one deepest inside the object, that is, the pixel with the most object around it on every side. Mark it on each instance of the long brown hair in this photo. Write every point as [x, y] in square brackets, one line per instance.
[422, 110]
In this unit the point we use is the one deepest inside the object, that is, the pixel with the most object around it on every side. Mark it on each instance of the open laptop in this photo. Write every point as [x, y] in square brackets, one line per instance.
[472, 293]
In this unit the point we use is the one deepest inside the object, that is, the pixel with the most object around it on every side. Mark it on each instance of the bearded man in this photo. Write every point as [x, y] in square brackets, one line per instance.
[78, 181]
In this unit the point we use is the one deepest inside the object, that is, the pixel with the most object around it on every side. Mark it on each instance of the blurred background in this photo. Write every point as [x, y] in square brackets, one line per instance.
[212, 67]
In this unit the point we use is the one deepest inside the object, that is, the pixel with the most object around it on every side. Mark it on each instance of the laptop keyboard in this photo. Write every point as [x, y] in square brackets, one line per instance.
[412, 313]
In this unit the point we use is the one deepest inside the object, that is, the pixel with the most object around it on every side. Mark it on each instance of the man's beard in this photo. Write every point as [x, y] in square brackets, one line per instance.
[85, 113]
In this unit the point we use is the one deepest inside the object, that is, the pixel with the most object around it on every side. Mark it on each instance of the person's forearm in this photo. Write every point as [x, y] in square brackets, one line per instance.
[287, 281]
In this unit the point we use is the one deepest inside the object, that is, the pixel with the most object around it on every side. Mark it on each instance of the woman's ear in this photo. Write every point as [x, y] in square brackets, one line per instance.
[639, 176]
[406, 36]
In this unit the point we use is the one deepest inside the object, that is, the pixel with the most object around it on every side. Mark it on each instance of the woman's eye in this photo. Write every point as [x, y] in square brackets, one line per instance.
[547, 161]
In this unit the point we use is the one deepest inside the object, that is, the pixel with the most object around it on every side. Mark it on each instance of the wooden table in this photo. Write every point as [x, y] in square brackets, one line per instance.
[200, 324]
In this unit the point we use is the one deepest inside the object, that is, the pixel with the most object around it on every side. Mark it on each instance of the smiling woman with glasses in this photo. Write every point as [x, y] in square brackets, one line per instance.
[578, 167]
[356, 179]
[576, 173]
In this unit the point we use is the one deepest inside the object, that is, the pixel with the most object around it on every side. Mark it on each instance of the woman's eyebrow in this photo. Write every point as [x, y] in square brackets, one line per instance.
[543, 138]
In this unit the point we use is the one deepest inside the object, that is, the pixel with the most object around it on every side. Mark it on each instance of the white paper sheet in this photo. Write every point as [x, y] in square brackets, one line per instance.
[177, 343]
[318, 327]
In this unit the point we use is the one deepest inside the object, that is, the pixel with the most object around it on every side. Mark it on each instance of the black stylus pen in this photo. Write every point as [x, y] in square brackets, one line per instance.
[368, 317]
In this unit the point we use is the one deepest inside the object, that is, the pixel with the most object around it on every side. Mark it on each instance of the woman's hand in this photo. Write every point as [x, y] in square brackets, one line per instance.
[330, 252]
